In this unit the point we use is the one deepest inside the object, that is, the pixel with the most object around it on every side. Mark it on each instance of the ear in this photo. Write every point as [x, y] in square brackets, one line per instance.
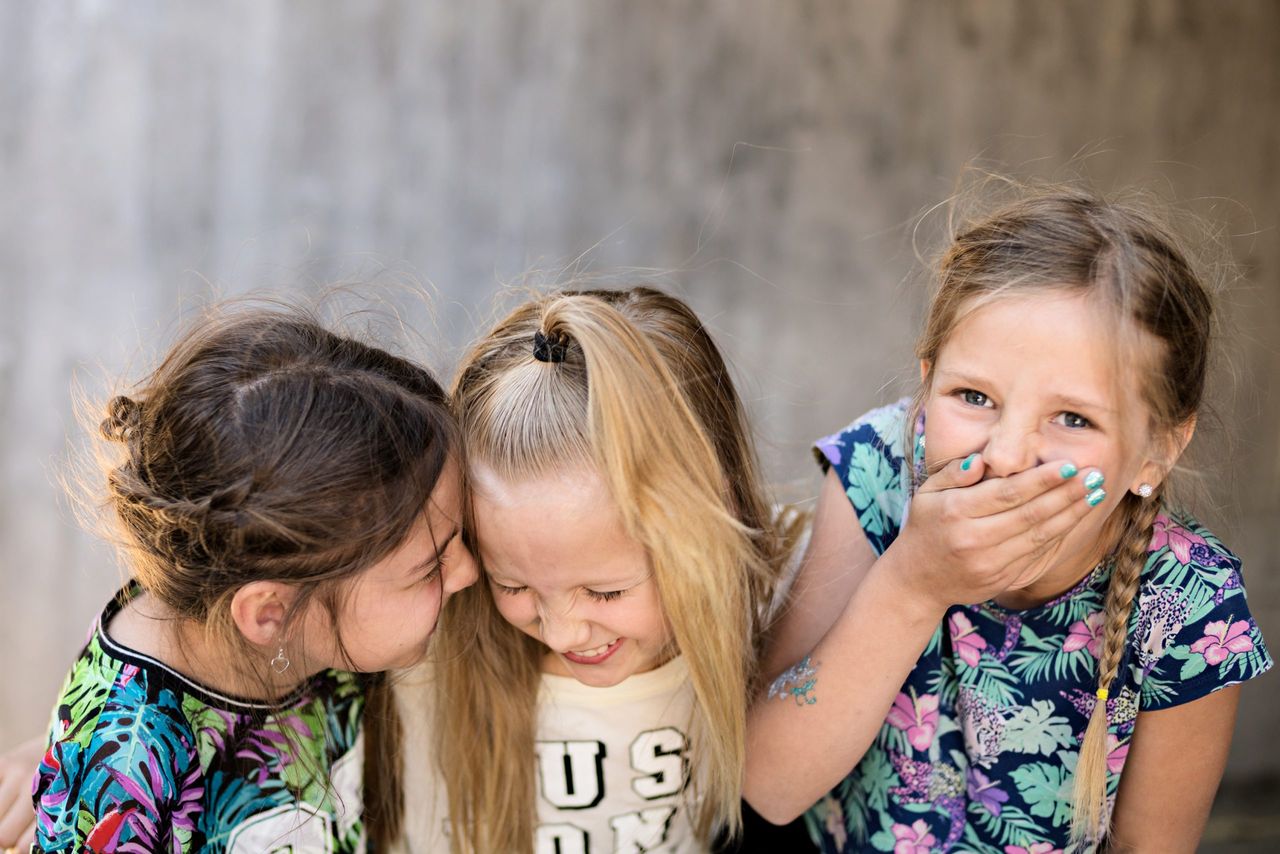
[924, 370]
[1164, 455]
[259, 608]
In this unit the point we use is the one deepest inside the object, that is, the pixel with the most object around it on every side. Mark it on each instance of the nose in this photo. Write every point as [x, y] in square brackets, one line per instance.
[462, 571]
[563, 632]
[1013, 445]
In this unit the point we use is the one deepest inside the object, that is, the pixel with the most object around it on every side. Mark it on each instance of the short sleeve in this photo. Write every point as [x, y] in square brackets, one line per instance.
[1195, 633]
[868, 458]
[133, 783]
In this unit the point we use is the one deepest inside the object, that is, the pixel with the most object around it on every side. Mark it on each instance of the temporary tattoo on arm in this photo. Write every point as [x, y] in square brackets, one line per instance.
[797, 682]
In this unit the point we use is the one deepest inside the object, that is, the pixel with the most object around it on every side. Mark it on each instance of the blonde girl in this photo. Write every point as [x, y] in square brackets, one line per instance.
[289, 505]
[591, 694]
[1085, 700]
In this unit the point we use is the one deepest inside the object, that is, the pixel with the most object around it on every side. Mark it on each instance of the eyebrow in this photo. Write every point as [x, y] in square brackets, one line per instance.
[435, 558]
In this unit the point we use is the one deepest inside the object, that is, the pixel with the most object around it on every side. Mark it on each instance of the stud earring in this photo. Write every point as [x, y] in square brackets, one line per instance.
[1145, 490]
[281, 662]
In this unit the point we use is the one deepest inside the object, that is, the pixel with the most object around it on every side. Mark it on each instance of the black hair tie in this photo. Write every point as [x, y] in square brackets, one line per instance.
[550, 348]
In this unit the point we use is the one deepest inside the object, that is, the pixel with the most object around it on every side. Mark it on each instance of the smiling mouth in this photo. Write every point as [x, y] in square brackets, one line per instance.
[594, 655]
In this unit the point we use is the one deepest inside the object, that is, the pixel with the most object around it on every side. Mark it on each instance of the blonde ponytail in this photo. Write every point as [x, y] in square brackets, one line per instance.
[1090, 818]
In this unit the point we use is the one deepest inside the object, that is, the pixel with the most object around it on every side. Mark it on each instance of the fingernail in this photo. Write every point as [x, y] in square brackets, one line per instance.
[1068, 470]
[1093, 479]
[1096, 497]
[968, 462]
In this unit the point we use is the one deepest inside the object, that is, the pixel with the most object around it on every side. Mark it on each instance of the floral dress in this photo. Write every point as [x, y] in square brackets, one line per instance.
[979, 749]
[141, 759]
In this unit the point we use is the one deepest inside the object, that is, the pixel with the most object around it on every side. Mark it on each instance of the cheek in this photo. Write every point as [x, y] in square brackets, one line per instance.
[516, 610]
[949, 434]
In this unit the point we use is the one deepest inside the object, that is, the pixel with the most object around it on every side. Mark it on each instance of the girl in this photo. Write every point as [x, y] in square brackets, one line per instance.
[289, 506]
[1068, 335]
[592, 694]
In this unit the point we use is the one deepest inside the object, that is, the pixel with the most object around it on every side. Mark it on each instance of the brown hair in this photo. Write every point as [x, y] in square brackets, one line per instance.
[1067, 239]
[265, 447]
[643, 397]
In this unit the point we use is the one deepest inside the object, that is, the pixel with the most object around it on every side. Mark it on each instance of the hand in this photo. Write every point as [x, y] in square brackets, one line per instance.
[966, 541]
[17, 817]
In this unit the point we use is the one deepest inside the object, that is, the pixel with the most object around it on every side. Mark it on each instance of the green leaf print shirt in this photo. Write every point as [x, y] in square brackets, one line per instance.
[141, 759]
[979, 748]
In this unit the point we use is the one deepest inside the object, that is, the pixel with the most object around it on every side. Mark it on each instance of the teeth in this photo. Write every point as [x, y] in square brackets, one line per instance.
[592, 653]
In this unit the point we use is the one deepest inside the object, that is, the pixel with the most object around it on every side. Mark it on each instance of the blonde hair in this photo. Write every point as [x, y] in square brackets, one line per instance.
[644, 398]
[1070, 240]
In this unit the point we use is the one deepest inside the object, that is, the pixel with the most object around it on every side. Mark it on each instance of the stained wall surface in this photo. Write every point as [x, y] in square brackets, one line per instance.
[770, 161]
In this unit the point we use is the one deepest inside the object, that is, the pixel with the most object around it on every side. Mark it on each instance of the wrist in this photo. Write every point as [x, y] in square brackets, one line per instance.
[903, 585]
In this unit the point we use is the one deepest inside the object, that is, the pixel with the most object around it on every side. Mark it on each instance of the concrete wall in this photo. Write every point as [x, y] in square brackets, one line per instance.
[770, 158]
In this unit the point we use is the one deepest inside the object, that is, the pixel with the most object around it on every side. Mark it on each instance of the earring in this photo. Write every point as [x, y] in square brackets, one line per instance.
[1145, 490]
[281, 662]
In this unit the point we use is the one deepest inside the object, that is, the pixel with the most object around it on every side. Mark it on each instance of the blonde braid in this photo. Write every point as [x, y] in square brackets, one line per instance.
[1089, 818]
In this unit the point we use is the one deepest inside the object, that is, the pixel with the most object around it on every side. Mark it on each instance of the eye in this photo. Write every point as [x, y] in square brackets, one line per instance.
[433, 571]
[510, 591]
[1074, 421]
[603, 595]
[973, 398]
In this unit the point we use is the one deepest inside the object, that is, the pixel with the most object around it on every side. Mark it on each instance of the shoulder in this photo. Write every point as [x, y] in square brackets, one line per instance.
[1187, 562]
[871, 459]
[1193, 632]
[883, 429]
[121, 759]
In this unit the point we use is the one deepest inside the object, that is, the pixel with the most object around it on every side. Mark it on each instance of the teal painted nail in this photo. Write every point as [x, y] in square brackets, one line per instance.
[968, 462]
[1093, 480]
[1096, 497]
[1068, 470]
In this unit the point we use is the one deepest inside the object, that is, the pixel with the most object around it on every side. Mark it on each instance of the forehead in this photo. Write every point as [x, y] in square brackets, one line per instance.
[557, 530]
[1062, 341]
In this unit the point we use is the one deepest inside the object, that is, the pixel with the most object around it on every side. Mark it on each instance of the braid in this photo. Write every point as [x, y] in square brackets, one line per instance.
[1129, 557]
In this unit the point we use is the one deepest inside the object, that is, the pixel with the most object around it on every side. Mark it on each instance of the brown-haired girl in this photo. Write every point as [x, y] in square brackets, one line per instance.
[289, 504]
[592, 694]
[1068, 339]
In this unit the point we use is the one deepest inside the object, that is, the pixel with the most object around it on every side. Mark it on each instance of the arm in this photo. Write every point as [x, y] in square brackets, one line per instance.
[17, 817]
[1176, 758]
[835, 563]
[962, 543]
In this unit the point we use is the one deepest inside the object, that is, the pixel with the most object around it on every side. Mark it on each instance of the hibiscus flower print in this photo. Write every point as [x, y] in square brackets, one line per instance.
[982, 790]
[915, 839]
[1177, 538]
[965, 639]
[1034, 848]
[1221, 640]
[1117, 753]
[1085, 634]
[917, 717]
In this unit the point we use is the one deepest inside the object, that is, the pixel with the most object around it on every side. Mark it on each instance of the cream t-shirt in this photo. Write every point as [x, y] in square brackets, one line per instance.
[613, 766]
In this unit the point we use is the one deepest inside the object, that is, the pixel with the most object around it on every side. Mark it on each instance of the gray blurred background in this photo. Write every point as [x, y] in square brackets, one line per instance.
[767, 160]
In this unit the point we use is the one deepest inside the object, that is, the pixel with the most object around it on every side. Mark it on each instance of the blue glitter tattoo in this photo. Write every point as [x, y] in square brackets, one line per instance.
[797, 682]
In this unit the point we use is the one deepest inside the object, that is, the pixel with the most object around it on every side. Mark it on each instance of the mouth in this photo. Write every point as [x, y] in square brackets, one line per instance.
[595, 655]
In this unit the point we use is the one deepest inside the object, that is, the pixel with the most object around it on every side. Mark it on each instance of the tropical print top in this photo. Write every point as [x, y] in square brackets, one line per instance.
[979, 749]
[142, 759]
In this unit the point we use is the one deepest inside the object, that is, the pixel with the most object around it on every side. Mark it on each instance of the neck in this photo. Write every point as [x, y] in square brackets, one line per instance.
[152, 629]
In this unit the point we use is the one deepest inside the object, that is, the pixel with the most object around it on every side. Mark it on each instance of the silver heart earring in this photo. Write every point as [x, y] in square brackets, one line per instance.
[281, 662]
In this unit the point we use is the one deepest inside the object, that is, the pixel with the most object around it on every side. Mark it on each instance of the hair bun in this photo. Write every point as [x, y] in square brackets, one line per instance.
[123, 416]
[550, 346]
